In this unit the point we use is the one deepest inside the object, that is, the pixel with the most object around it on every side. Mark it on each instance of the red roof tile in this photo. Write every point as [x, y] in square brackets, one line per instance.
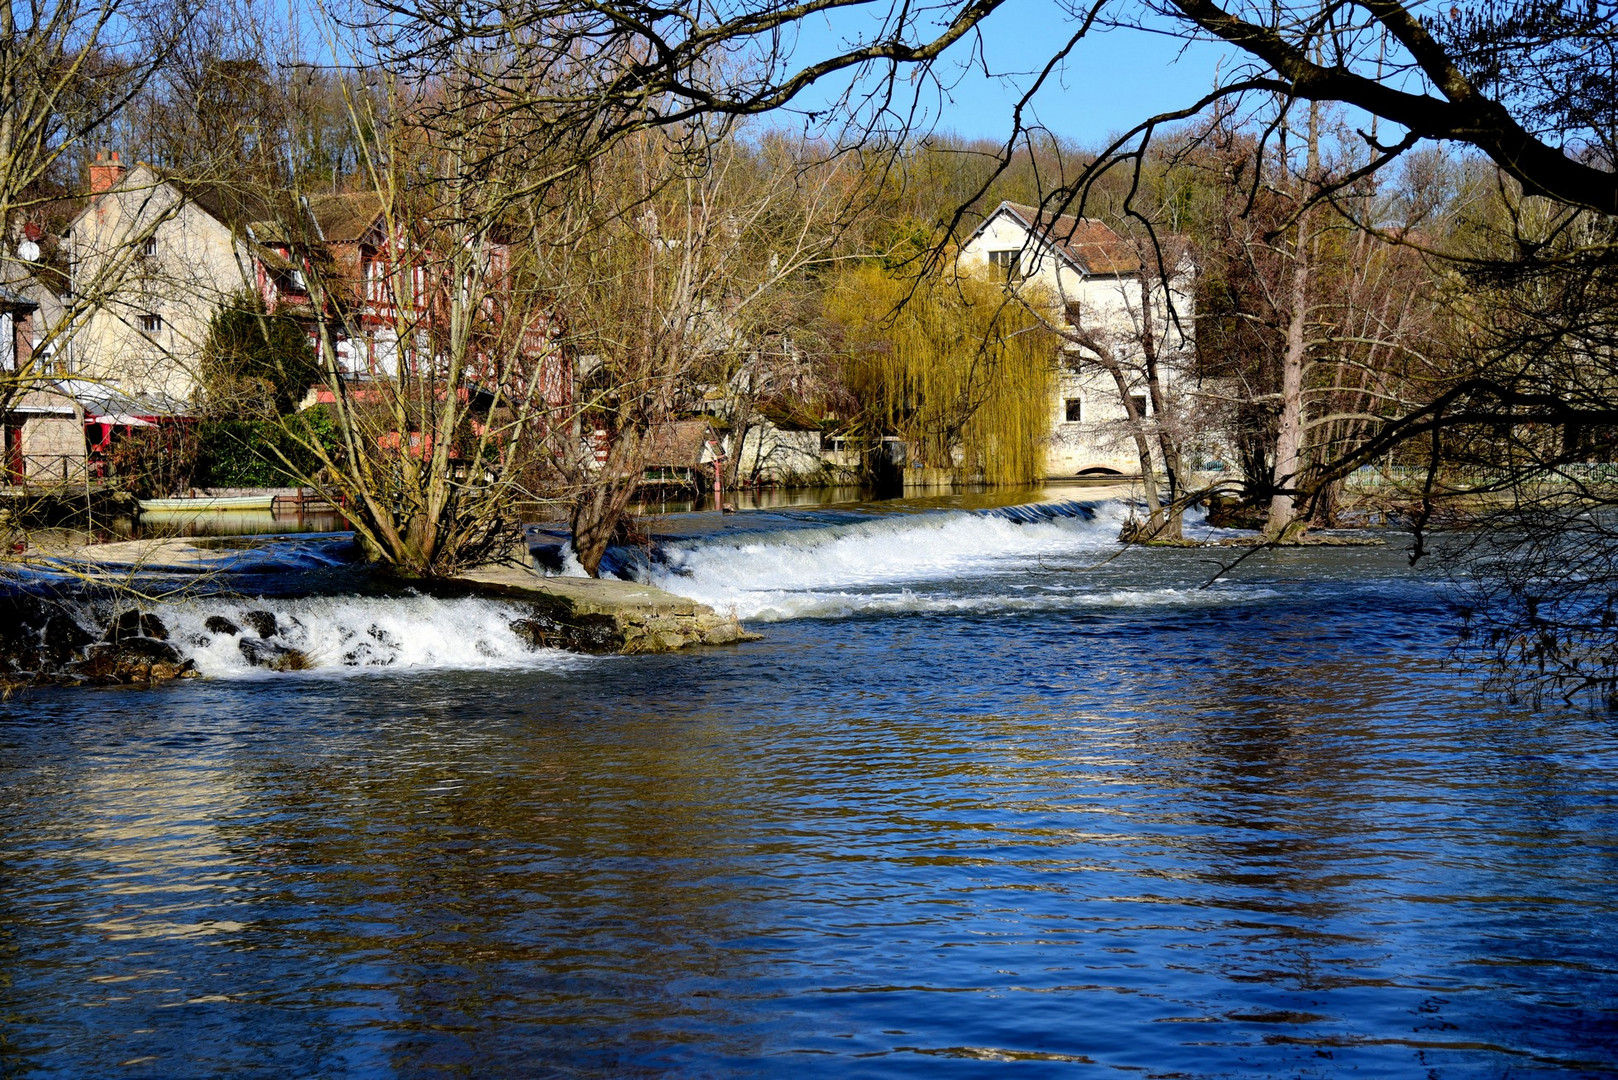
[1092, 245]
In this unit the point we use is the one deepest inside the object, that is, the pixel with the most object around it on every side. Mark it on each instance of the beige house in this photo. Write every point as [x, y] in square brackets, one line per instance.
[150, 264]
[1082, 273]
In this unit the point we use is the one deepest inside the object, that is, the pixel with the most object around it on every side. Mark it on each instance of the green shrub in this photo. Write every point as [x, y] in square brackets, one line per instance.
[248, 453]
[254, 362]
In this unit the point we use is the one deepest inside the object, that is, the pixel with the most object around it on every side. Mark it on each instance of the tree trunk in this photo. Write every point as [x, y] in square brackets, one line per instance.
[1143, 447]
[1289, 431]
[1172, 527]
[1282, 520]
[599, 511]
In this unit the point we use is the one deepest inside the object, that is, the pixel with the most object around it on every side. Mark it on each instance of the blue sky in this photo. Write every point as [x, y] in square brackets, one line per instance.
[1113, 78]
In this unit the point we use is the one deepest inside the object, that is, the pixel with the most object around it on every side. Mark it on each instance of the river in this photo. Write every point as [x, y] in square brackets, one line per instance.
[990, 795]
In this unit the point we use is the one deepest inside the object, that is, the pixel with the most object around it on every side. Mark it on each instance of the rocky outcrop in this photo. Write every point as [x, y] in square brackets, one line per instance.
[218, 624]
[133, 624]
[268, 654]
[42, 642]
[132, 660]
[37, 637]
[604, 615]
[263, 622]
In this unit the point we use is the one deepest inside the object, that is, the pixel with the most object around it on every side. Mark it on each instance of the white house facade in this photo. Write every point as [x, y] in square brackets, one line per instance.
[1080, 273]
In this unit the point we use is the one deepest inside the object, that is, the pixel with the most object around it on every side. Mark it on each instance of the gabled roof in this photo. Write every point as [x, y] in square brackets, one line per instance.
[1090, 246]
[336, 219]
[345, 218]
[227, 204]
[231, 206]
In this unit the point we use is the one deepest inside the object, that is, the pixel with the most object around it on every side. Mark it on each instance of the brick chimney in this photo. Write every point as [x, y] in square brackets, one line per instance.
[105, 174]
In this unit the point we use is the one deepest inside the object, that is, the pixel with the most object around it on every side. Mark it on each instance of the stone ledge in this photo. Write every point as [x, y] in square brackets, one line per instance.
[603, 615]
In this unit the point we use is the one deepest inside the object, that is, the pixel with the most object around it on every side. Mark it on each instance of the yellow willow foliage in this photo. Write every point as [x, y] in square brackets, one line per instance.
[949, 365]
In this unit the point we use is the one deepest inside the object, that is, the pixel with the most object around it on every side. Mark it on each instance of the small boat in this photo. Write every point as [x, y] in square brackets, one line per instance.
[207, 503]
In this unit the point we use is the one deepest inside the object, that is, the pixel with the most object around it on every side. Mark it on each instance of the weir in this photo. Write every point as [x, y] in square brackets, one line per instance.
[236, 607]
[604, 614]
[329, 614]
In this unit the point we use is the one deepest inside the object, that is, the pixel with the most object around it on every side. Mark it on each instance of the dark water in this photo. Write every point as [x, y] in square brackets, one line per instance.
[1013, 811]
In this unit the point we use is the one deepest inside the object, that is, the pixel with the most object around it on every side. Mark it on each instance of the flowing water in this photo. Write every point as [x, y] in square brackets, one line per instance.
[991, 795]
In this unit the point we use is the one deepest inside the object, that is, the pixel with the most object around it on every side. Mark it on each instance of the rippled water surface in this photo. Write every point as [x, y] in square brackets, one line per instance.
[980, 801]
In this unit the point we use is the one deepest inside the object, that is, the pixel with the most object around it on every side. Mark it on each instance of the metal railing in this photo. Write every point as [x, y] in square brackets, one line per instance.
[49, 470]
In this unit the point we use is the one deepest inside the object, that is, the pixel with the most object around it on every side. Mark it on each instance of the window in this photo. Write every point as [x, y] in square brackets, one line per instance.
[150, 323]
[1005, 261]
[1139, 401]
[1074, 313]
[148, 246]
[376, 284]
[1073, 409]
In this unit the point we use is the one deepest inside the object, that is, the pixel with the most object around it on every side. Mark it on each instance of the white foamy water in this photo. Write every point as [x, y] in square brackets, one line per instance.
[357, 634]
[951, 561]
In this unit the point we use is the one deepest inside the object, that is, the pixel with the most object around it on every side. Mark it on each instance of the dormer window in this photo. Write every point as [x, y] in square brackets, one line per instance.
[151, 324]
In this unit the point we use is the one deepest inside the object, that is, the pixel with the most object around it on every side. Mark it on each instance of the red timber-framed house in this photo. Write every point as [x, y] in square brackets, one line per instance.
[384, 299]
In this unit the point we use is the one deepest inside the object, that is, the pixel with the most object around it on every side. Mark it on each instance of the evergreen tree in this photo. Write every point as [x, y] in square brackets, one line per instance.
[255, 363]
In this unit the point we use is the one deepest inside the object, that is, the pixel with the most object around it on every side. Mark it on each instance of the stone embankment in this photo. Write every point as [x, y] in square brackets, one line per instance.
[603, 615]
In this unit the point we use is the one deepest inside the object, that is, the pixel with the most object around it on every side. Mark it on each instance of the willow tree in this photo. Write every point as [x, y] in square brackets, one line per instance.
[949, 364]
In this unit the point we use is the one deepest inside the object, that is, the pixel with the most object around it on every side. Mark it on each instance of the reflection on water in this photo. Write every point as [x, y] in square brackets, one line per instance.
[1275, 835]
[154, 525]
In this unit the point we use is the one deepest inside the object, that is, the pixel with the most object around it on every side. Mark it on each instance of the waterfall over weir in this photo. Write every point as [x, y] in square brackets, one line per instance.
[1012, 558]
[769, 566]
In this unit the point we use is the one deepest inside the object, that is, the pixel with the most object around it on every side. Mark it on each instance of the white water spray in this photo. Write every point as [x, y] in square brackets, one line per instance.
[942, 562]
[356, 634]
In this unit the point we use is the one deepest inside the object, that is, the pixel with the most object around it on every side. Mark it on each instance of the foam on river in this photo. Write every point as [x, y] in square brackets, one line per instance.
[1049, 557]
[1018, 558]
[353, 635]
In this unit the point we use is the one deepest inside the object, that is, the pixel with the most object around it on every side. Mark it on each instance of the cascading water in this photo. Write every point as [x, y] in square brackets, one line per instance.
[354, 634]
[248, 612]
[930, 562]
[816, 564]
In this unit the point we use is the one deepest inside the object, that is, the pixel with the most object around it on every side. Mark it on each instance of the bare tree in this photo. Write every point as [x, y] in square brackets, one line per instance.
[673, 295]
